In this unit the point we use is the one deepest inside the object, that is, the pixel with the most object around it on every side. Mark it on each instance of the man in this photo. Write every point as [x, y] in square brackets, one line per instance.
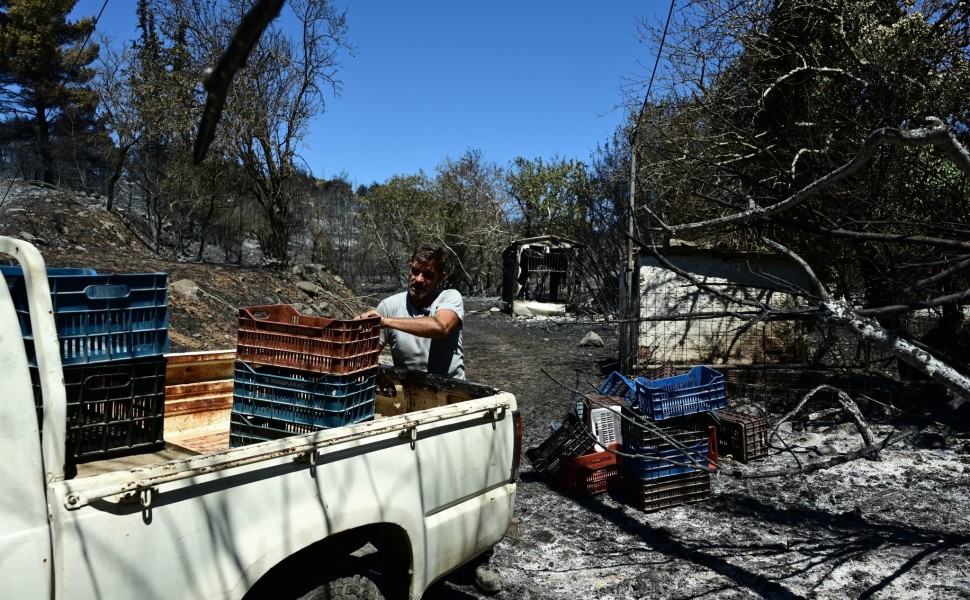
[423, 326]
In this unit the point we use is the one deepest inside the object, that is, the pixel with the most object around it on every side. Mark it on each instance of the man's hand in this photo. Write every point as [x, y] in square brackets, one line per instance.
[370, 315]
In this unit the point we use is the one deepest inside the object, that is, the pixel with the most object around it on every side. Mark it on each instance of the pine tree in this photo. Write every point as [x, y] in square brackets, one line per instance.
[45, 70]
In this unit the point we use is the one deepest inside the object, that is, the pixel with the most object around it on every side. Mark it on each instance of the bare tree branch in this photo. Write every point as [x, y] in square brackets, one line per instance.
[935, 133]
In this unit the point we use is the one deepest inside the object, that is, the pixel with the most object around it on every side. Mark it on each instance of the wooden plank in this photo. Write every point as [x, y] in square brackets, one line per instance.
[196, 367]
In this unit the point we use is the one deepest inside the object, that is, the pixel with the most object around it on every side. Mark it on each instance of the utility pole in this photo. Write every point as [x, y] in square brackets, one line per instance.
[629, 327]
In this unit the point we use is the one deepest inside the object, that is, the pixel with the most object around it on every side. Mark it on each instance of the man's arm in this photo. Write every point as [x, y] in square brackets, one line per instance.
[437, 327]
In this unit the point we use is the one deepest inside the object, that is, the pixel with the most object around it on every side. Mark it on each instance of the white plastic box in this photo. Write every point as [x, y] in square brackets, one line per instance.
[604, 423]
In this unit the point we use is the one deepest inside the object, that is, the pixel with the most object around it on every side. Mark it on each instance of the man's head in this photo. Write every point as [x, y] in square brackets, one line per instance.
[425, 274]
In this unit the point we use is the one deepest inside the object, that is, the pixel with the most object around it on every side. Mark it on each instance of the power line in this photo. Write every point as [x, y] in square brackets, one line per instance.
[656, 63]
[631, 225]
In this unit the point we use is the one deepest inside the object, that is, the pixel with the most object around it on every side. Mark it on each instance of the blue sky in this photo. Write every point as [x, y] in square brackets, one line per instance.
[431, 79]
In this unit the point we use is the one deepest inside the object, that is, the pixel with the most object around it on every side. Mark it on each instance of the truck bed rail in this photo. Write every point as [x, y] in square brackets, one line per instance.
[143, 481]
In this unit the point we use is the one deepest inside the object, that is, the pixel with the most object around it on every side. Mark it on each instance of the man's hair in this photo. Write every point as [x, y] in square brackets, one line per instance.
[428, 253]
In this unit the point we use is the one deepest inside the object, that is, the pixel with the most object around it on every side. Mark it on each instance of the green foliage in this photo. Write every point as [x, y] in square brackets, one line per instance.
[400, 214]
[549, 198]
[44, 72]
[475, 226]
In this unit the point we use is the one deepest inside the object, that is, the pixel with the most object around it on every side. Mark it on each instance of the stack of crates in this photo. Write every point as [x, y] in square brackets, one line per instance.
[112, 332]
[668, 439]
[663, 469]
[581, 453]
[598, 470]
[297, 374]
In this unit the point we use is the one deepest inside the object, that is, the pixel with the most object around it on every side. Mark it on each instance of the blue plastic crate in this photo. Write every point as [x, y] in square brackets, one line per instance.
[647, 464]
[303, 397]
[98, 318]
[619, 386]
[701, 389]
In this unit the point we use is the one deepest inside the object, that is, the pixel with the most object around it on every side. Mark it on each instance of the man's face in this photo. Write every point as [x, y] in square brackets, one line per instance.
[423, 279]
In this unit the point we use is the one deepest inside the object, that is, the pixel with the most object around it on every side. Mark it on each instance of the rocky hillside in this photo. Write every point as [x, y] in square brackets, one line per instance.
[74, 230]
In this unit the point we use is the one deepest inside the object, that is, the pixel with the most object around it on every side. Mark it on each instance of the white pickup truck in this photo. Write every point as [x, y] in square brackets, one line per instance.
[380, 508]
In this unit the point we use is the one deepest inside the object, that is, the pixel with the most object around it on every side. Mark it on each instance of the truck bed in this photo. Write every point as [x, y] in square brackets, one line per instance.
[198, 404]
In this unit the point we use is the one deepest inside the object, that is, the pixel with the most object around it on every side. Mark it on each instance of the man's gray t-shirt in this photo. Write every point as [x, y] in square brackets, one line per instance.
[439, 357]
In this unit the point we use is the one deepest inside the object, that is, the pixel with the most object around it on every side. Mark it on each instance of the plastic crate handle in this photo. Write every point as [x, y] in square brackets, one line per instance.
[106, 292]
[282, 314]
[111, 381]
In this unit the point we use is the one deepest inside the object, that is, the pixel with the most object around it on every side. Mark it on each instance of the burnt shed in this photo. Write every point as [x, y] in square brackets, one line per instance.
[700, 306]
[674, 321]
[539, 275]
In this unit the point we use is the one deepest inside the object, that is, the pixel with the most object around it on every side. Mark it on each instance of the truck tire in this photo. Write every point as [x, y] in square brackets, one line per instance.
[357, 587]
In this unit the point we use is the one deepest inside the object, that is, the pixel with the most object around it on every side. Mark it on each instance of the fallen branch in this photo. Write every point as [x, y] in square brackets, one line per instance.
[848, 405]
[826, 464]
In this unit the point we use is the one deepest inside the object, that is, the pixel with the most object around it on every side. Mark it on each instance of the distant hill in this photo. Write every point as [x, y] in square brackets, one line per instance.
[73, 229]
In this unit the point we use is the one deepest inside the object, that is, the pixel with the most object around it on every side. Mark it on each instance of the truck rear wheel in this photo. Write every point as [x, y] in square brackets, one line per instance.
[357, 587]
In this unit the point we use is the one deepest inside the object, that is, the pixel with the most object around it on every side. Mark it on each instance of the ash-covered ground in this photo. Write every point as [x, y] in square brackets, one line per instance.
[898, 527]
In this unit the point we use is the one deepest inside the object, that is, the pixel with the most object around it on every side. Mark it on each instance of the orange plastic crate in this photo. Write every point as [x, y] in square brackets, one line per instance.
[278, 335]
[591, 474]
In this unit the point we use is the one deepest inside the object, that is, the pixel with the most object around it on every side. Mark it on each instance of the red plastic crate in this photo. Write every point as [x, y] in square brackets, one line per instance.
[279, 336]
[591, 474]
[662, 372]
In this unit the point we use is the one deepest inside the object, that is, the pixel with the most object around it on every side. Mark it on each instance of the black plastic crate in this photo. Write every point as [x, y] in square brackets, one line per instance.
[666, 492]
[245, 429]
[743, 436]
[113, 409]
[570, 439]
[684, 430]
